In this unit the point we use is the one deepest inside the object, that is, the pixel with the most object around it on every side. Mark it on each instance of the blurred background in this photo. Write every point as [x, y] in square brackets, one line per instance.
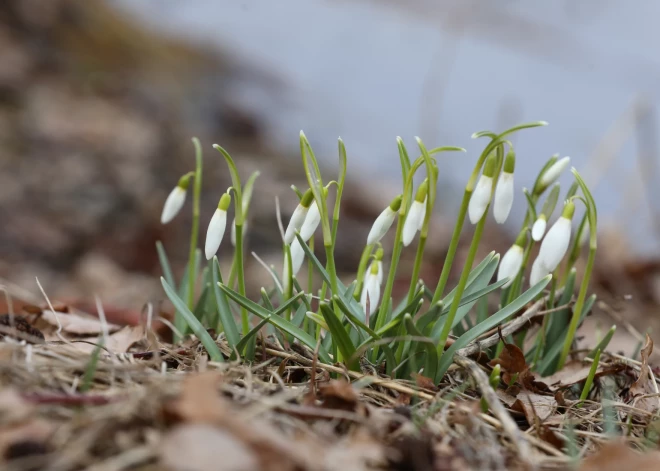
[99, 100]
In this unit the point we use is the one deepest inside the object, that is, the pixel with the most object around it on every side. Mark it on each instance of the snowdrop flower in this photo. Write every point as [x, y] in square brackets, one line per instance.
[423, 215]
[312, 220]
[555, 244]
[233, 230]
[371, 290]
[551, 174]
[482, 192]
[216, 229]
[297, 257]
[378, 258]
[415, 214]
[384, 221]
[538, 229]
[512, 261]
[538, 272]
[298, 216]
[503, 200]
[175, 199]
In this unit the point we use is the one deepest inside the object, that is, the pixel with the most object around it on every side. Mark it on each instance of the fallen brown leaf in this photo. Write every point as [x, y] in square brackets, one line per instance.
[338, 394]
[616, 456]
[511, 359]
[76, 324]
[530, 404]
[424, 382]
[576, 372]
[643, 386]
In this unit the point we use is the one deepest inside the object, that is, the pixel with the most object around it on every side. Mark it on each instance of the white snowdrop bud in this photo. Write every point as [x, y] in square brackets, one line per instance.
[298, 216]
[371, 290]
[415, 214]
[552, 174]
[511, 264]
[483, 191]
[538, 272]
[555, 243]
[175, 200]
[216, 229]
[538, 229]
[384, 221]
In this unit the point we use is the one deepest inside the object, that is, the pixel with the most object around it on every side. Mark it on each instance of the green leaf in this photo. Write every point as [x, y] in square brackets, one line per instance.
[530, 205]
[404, 159]
[299, 316]
[559, 320]
[246, 338]
[193, 323]
[431, 354]
[226, 317]
[490, 323]
[602, 345]
[318, 319]
[276, 320]
[236, 184]
[201, 302]
[532, 124]
[92, 365]
[478, 270]
[248, 189]
[165, 264]
[352, 318]
[339, 335]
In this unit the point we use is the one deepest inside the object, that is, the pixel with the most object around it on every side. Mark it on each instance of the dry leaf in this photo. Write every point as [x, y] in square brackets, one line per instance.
[76, 324]
[541, 406]
[576, 372]
[338, 394]
[511, 359]
[644, 385]
[122, 340]
[25, 439]
[616, 456]
[424, 382]
[202, 447]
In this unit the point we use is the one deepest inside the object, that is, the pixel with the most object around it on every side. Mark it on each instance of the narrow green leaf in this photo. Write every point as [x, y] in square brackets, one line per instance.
[602, 345]
[226, 317]
[431, 354]
[339, 335]
[165, 264]
[246, 338]
[193, 323]
[490, 323]
[276, 320]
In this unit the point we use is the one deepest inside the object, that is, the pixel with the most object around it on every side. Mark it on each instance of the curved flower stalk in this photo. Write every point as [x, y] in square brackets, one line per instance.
[217, 226]
[551, 174]
[371, 291]
[384, 221]
[298, 217]
[176, 199]
[503, 199]
[416, 213]
[555, 244]
[483, 191]
[512, 261]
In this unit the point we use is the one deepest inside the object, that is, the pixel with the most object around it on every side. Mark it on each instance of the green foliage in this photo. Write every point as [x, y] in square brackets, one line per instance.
[419, 331]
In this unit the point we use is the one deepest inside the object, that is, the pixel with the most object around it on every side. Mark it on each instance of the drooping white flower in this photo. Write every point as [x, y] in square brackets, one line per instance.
[380, 272]
[538, 272]
[216, 229]
[175, 200]
[297, 256]
[503, 199]
[311, 222]
[298, 216]
[511, 264]
[384, 221]
[555, 243]
[371, 290]
[553, 173]
[538, 229]
[423, 215]
[481, 195]
[415, 215]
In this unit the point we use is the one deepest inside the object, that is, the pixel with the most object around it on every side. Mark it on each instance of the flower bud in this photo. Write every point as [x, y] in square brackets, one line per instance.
[175, 200]
[384, 221]
[216, 229]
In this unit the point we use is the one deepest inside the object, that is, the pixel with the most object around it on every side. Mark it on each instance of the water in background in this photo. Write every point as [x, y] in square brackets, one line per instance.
[370, 71]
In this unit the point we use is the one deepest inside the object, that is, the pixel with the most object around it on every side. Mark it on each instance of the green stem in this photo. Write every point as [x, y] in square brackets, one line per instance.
[417, 267]
[241, 275]
[389, 284]
[462, 282]
[362, 268]
[577, 309]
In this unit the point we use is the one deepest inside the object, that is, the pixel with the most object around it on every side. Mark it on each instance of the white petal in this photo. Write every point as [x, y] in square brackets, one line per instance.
[297, 256]
[215, 233]
[173, 204]
[538, 272]
[510, 264]
[538, 229]
[554, 245]
[233, 231]
[480, 199]
[381, 225]
[371, 290]
[312, 221]
[554, 171]
[295, 223]
[503, 198]
[411, 225]
[423, 215]
[380, 272]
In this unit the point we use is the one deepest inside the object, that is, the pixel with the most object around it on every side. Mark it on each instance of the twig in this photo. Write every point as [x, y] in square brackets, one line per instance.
[518, 439]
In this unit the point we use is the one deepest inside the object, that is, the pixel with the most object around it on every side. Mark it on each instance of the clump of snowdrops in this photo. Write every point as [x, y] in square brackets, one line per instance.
[421, 332]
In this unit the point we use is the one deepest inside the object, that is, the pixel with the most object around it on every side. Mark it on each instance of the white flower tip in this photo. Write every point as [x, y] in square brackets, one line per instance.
[215, 233]
[173, 204]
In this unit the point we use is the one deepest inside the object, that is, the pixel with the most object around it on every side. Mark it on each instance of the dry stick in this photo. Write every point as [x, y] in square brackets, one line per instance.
[510, 328]
[518, 439]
